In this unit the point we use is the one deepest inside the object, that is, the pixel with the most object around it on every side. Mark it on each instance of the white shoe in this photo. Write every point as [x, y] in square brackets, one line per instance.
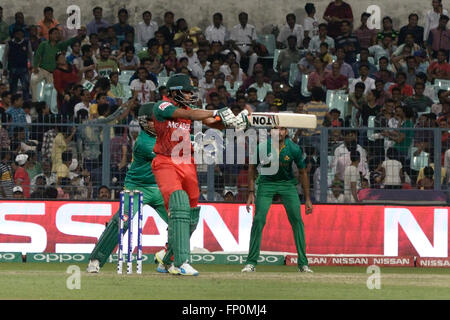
[305, 269]
[93, 266]
[187, 270]
[249, 268]
[162, 268]
[174, 270]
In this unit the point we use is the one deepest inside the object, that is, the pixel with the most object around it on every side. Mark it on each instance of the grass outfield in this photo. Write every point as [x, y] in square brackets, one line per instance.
[222, 282]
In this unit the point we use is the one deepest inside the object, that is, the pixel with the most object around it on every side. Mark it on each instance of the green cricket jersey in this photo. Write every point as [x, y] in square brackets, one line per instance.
[140, 172]
[291, 152]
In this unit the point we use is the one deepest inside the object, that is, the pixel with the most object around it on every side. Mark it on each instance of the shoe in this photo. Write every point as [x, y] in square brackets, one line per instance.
[159, 256]
[174, 270]
[249, 268]
[305, 269]
[187, 270]
[162, 268]
[93, 266]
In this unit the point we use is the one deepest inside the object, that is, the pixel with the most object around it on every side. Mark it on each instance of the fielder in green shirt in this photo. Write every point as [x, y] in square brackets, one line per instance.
[139, 177]
[283, 183]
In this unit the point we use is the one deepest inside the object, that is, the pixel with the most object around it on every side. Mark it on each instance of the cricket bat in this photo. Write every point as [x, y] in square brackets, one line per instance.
[287, 120]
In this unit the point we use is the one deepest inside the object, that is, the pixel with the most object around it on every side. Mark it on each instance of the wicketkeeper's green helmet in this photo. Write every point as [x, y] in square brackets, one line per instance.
[145, 114]
[181, 82]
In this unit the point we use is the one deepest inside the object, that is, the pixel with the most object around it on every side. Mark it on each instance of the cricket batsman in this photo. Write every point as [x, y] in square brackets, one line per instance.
[174, 167]
[139, 177]
[283, 183]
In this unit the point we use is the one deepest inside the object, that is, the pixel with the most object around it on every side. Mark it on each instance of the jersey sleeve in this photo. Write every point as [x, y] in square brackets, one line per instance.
[163, 111]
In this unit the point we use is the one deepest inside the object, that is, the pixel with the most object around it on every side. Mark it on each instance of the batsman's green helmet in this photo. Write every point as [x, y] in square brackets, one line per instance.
[180, 81]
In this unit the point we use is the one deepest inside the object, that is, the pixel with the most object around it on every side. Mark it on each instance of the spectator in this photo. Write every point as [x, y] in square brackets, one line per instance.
[440, 68]
[427, 182]
[21, 177]
[62, 169]
[106, 65]
[104, 193]
[422, 62]
[288, 56]
[19, 23]
[370, 108]
[316, 41]
[342, 160]
[236, 75]
[217, 31]
[129, 61]
[316, 77]
[205, 84]
[35, 41]
[310, 23]
[346, 69]
[364, 59]
[410, 44]
[400, 82]
[76, 52]
[87, 57]
[169, 28]
[33, 166]
[383, 73]
[117, 88]
[63, 75]
[412, 27]
[97, 23]
[392, 171]
[122, 27]
[351, 178]
[324, 53]
[363, 77]
[64, 189]
[15, 62]
[438, 39]
[149, 65]
[305, 66]
[418, 102]
[16, 112]
[388, 29]
[356, 100]
[189, 53]
[44, 62]
[261, 86]
[6, 174]
[409, 70]
[318, 108]
[47, 24]
[18, 193]
[349, 42]
[385, 49]
[335, 80]
[46, 175]
[335, 120]
[290, 29]
[62, 139]
[366, 37]
[243, 37]
[142, 89]
[337, 192]
[146, 29]
[337, 12]
[184, 32]
[432, 17]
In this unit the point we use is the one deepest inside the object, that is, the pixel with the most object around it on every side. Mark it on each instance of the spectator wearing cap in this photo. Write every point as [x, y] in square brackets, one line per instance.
[366, 37]
[18, 193]
[6, 174]
[310, 23]
[21, 177]
[291, 28]
[47, 24]
[337, 12]
[15, 62]
[19, 23]
[439, 68]
[97, 23]
[314, 44]
[439, 38]
[146, 29]
[412, 27]
[217, 31]
[230, 193]
[432, 17]
[337, 192]
[122, 27]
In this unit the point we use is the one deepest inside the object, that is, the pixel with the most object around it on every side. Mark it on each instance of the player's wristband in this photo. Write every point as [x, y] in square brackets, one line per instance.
[251, 191]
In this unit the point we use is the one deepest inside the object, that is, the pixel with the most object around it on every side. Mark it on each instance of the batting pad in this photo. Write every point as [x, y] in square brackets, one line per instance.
[179, 225]
[107, 241]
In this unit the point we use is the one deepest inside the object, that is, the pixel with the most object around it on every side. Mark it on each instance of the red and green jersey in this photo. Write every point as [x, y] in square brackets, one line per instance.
[171, 133]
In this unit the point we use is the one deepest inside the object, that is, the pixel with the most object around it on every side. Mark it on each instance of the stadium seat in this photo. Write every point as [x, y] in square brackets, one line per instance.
[138, 47]
[268, 40]
[127, 90]
[420, 161]
[293, 72]
[40, 90]
[162, 81]
[125, 76]
[371, 124]
[276, 54]
[50, 97]
[179, 51]
[337, 99]
[305, 91]
[2, 51]
[441, 84]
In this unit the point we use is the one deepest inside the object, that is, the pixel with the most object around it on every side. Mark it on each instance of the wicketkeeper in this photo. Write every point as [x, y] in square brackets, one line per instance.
[174, 167]
[139, 177]
[283, 183]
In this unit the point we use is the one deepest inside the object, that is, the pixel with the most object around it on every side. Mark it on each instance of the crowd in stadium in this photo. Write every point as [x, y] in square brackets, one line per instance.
[397, 76]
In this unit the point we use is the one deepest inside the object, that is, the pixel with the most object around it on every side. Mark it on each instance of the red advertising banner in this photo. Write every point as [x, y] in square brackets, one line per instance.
[391, 231]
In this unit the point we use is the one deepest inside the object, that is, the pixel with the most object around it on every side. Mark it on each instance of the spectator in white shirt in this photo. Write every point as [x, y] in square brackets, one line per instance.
[364, 77]
[392, 170]
[205, 84]
[217, 31]
[290, 29]
[336, 195]
[261, 87]
[432, 18]
[314, 44]
[226, 67]
[129, 61]
[351, 179]
[142, 89]
[189, 53]
[146, 29]
[341, 158]
[243, 37]
[310, 23]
